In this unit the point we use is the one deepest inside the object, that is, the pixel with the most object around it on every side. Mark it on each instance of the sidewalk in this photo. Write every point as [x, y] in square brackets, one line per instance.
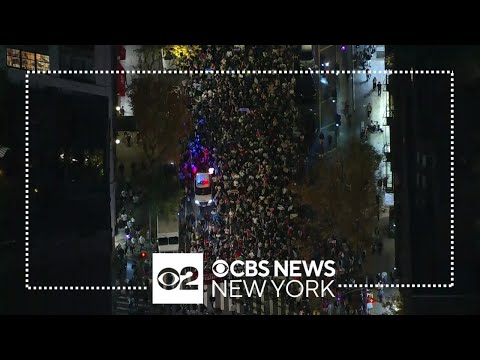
[345, 97]
[327, 110]
[365, 94]
[127, 156]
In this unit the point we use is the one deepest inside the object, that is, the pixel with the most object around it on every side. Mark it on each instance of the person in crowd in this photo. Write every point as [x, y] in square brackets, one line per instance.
[369, 110]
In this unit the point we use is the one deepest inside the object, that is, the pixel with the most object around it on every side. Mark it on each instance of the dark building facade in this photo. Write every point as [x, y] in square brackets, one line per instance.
[71, 188]
[421, 161]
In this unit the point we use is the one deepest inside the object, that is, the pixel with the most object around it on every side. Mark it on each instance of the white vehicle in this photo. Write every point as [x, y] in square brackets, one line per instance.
[237, 48]
[307, 61]
[203, 189]
[168, 233]
[168, 61]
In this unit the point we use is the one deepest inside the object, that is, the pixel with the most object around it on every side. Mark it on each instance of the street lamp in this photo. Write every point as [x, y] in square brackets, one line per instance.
[117, 141]
[117, 108]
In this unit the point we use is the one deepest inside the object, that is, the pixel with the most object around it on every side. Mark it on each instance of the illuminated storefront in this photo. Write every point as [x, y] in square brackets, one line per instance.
[386, 150]
[27, 60]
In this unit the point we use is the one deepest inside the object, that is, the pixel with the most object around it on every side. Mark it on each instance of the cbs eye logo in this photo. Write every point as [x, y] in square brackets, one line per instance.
[179, 278]
[220, 268]
[169, 278]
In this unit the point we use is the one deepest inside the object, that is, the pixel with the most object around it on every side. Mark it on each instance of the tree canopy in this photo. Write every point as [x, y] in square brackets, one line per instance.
[163, 192]
[342, 194]
[150, 56]
[183, 51]
[163, 120]
[160, 108]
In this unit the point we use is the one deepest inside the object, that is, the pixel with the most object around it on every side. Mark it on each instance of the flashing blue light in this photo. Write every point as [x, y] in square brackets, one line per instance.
[343, 48]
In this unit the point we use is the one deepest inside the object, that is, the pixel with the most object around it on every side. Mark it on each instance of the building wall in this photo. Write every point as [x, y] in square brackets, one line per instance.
[55, 99]
[400, 161]
[100, 57]
[130, 63]
[421, 159]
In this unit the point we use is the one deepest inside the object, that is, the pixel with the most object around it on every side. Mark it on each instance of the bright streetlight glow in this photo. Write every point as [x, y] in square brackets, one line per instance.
[117, 108]
[117, 141]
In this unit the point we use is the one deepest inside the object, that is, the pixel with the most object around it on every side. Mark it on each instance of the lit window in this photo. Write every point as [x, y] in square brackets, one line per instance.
[28, 60]
[13, 58]
[43, 62]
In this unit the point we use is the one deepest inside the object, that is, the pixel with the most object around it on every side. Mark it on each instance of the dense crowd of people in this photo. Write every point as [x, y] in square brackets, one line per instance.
[249, 129]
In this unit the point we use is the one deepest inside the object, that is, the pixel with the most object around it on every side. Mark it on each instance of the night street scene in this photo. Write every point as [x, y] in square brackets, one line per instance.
[115, 159]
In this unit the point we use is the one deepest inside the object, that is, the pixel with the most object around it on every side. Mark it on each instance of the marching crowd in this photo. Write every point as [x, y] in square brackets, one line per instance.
[249, 129]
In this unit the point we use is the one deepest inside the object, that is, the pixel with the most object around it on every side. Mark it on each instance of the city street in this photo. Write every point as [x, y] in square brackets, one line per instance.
[353, 93]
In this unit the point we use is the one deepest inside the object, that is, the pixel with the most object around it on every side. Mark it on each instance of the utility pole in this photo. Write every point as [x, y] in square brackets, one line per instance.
[149, 225]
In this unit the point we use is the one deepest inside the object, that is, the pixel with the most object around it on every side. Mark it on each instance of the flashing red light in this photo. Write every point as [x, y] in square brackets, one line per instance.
[143, 254]
[371, 300]
[202, 182]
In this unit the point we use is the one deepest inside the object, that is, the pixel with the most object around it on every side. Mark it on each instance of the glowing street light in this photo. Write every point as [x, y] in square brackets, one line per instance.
[117, 141]
[117, 108]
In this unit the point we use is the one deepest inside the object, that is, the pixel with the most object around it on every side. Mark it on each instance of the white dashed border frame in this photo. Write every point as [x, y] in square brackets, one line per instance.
[238, 72]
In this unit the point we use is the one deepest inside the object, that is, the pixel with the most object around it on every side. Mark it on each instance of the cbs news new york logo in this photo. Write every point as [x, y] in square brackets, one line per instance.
[177, 278]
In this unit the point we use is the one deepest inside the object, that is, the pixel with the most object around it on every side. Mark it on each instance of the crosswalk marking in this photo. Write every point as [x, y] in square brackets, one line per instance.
[122, 307]
[231, 304]
[205, 295]
[266, 304]
[223, 286]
